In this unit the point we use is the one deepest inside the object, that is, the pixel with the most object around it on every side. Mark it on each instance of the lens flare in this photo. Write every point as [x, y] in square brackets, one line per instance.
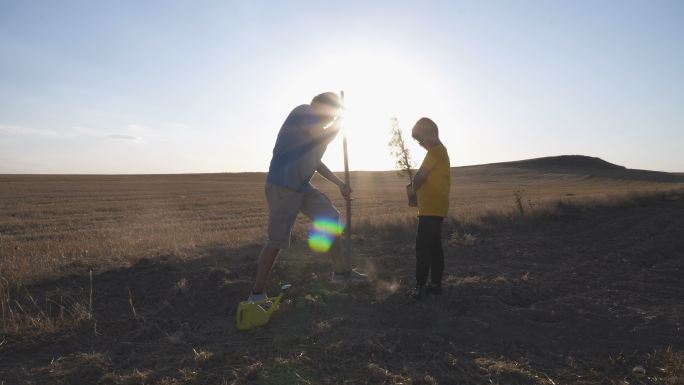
[328, 226]
[320, 243]
[323, 234]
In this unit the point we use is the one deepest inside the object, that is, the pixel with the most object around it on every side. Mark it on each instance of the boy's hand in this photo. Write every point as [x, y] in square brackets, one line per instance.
[346, 191]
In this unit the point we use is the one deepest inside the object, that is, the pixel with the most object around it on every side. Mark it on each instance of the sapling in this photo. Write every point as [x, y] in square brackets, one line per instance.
[402, 156]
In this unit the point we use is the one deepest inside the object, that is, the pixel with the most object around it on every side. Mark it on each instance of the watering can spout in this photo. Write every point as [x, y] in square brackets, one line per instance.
[276, 303]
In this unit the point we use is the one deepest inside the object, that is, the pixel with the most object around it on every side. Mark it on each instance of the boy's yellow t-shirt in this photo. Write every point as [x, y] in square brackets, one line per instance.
[433, 194]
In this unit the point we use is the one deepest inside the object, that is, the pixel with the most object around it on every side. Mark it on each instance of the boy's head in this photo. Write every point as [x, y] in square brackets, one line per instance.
[327, 104]
[425, 131]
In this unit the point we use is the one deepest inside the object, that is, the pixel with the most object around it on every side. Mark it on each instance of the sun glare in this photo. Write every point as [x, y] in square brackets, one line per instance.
[377, 87]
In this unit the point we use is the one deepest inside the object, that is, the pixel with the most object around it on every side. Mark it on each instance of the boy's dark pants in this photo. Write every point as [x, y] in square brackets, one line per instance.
[429, 254]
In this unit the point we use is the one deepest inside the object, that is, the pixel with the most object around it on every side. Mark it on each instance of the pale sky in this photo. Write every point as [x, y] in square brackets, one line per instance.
[204, 86]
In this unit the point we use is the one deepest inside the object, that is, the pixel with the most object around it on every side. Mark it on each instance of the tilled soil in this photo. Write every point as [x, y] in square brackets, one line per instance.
[590, 297]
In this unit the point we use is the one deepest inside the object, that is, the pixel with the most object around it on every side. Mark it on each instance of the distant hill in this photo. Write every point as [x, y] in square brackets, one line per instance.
[568, 162]
[581, 165]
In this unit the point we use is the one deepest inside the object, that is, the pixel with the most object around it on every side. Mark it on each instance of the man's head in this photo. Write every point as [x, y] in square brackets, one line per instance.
[425, 131]
[327, 104]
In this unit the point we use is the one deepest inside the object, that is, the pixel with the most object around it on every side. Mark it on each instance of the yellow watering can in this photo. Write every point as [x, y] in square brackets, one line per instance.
[251, 314]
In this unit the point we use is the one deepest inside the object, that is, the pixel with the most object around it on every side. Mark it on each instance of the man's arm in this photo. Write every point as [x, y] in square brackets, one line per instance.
[328, 134]
[327, 174]
[325, 131]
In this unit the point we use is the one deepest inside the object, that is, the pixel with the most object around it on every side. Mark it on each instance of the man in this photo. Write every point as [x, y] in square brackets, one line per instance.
[297, 154]
[431, 184]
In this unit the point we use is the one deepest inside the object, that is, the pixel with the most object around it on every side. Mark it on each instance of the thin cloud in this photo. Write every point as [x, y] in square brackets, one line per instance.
[124, 137]
[97, 133]
[131, 132]
[20, 130]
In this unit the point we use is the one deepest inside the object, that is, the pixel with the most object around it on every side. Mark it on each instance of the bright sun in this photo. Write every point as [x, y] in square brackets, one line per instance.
[377, 86]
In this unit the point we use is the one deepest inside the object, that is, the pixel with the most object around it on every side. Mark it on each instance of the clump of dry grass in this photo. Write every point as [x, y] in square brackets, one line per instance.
[502, 370]
[133, 377]
[666, 366]
[661, 366]
[383, 375]
[202, 356]
[462, 238]
[22, 313]
[519, 198]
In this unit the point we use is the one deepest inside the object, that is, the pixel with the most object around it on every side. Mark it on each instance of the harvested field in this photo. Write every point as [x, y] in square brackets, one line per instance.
[577, 281]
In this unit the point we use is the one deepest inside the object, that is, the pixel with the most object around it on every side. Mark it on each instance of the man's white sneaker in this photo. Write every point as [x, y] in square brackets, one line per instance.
[350, 277]
[257, 297]
[260, 297]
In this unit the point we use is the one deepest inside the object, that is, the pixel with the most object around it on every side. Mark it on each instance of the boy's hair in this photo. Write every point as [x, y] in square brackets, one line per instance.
[425, 126]
[328, 98]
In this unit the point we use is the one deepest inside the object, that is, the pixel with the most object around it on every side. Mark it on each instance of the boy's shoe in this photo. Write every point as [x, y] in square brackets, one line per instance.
[433, 288]
[351, 277]
[417, 293]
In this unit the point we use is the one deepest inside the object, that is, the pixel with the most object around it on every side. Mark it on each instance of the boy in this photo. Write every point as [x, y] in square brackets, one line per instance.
[431, 185]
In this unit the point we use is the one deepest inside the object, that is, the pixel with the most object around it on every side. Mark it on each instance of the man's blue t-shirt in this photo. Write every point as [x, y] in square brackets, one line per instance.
[298, 149]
